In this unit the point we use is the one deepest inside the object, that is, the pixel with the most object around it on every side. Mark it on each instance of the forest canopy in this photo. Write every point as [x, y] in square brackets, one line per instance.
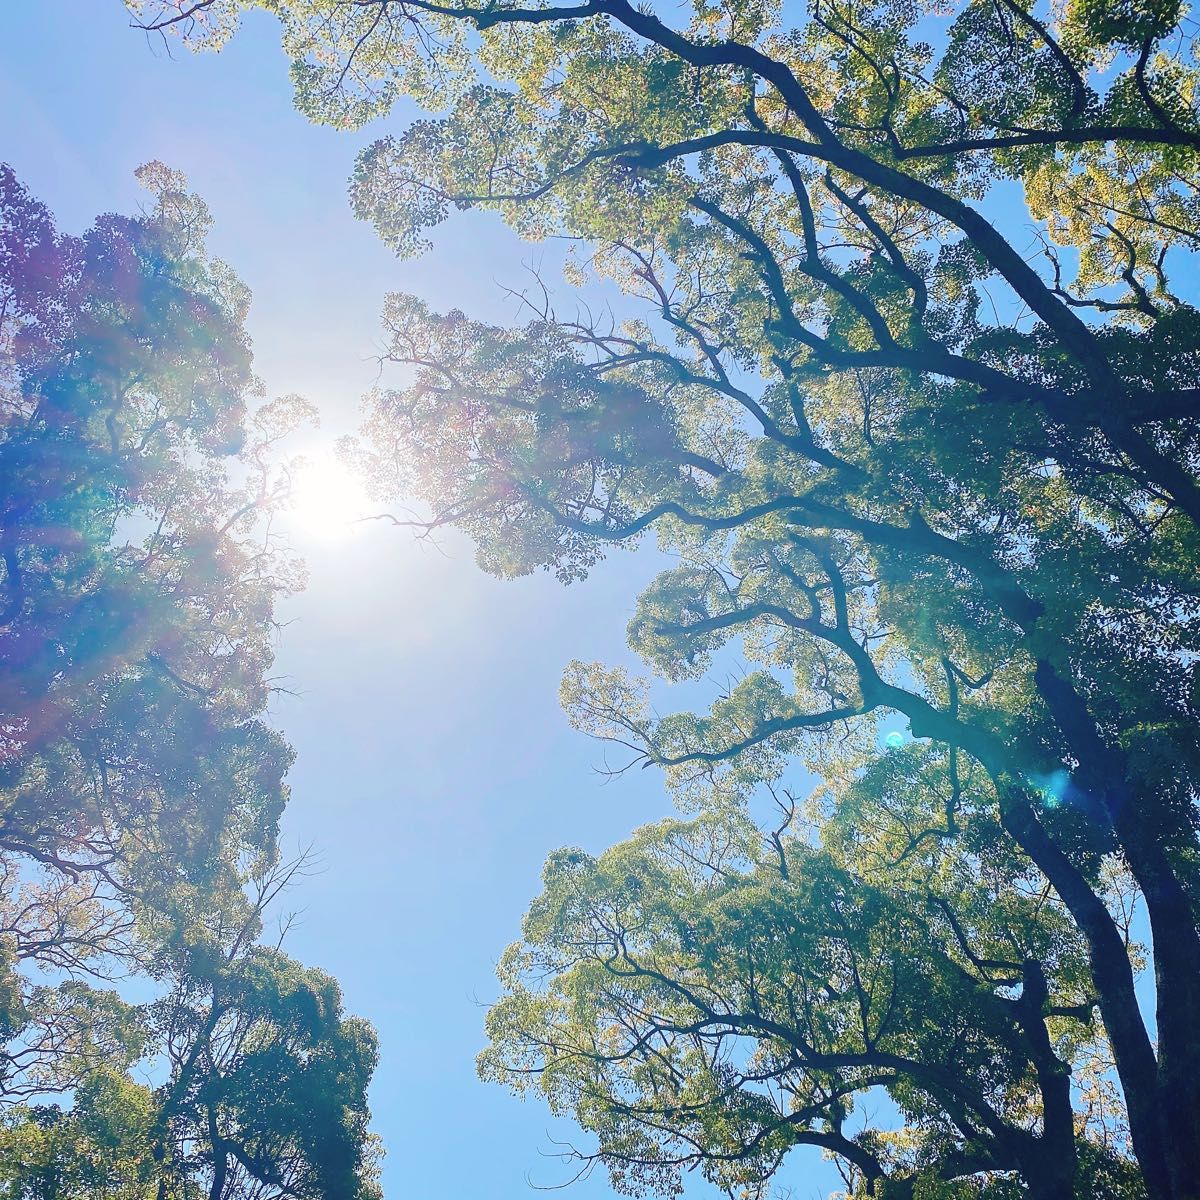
[156, 1041]
[910, 388]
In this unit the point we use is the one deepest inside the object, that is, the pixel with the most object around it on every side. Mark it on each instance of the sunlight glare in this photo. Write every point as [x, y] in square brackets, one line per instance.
[328, 498]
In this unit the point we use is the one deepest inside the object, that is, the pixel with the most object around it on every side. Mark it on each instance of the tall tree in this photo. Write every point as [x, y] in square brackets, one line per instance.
[717, 998]
[257, 1080]
[914, 398]
[140, 788]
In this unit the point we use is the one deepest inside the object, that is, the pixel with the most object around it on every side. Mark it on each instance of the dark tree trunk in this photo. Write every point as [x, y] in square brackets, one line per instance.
[1112, 974]
[1049, 1162]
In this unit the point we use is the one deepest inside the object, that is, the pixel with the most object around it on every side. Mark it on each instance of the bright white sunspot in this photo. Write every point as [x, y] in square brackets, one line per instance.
[328, 499]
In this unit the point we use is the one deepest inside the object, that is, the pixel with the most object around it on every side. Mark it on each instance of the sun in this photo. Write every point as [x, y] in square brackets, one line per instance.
[328, 499]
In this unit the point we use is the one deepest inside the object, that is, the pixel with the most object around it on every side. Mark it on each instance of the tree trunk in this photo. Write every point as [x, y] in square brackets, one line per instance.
[1053, 1172]
[1176, 958]
[1112, 974]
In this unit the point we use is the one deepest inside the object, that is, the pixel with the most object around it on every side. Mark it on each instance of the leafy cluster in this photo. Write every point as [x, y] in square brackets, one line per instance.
[717, 997]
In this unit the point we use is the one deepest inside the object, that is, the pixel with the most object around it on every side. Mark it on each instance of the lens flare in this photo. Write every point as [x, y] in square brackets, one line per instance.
[1051, 789]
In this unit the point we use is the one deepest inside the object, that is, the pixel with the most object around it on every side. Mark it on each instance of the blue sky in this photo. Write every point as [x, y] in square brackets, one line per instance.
[435, 769]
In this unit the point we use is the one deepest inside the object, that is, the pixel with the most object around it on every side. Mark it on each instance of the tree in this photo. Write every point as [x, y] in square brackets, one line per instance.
[262, 1090]
[717, 998]
[268, 1091]
[913, 397]
[140, 788]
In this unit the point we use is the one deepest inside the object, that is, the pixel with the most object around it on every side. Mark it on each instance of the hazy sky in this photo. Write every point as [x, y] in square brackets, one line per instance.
[435, 769]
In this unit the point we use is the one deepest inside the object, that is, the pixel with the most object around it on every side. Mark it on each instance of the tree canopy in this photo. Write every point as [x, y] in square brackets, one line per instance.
[140, 788]
[718, 998]
[911, 388]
